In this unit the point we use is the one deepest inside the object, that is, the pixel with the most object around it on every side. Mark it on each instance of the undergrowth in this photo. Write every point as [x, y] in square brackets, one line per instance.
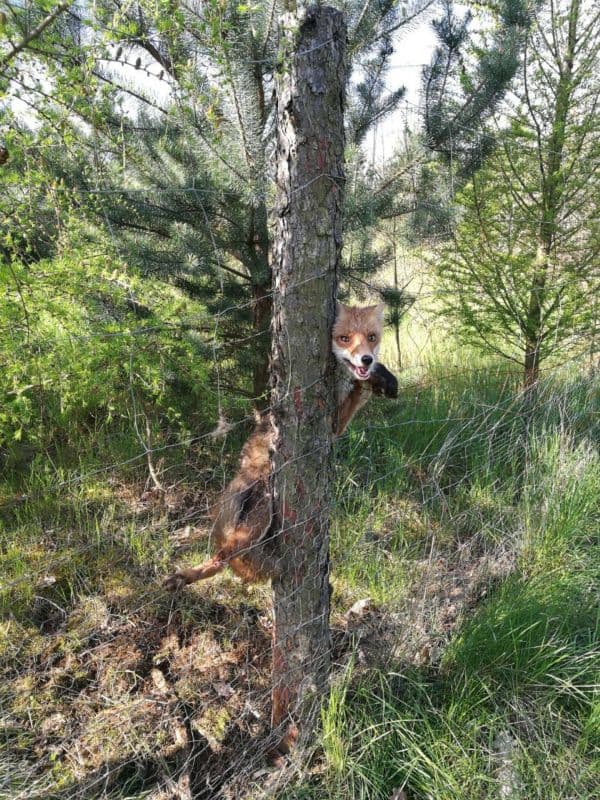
[465, 566]
[511, 707]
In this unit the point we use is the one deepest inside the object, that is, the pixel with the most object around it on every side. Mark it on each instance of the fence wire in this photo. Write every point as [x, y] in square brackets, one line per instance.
[111, 687]
[114, 688]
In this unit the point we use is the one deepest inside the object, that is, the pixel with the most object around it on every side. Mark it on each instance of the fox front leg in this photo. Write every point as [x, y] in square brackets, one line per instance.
[359, 395]
[238, 541]
[184, 577]
[382, 382]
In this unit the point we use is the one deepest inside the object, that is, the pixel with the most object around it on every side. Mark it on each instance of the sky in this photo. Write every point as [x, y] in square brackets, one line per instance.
[413, 50]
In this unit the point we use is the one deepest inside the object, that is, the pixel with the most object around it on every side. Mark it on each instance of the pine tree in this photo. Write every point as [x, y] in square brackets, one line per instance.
[196, 164]
[521, 275]
[467, 79]
[176, 101]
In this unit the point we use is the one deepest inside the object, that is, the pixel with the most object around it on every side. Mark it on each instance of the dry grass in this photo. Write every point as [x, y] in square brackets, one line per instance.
[458, 566]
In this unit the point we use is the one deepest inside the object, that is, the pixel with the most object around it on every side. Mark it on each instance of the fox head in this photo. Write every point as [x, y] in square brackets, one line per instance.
[356, 338]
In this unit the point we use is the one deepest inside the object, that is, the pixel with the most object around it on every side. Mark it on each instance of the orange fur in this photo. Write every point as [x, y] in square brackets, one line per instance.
[243, 519]
[244, 526]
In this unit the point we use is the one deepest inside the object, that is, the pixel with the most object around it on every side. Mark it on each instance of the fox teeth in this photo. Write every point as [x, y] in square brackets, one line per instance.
[360, 372]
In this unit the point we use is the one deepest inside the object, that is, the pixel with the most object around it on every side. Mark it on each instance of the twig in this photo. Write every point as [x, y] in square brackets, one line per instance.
[37, 31]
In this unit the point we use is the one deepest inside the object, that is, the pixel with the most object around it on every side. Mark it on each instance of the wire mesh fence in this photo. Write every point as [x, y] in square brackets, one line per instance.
[128, 405]
[114, 687]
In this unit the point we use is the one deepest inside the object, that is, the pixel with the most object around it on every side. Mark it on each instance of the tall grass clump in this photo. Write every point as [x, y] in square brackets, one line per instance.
[511, 707]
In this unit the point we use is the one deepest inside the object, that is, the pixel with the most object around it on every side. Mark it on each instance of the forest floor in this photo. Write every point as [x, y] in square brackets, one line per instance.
[465, 567]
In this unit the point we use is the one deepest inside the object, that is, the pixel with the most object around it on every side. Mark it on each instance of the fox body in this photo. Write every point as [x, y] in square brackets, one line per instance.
[355, 342]
[244, 525]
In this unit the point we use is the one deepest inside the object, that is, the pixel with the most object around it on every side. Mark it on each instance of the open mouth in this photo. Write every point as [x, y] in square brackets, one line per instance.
[362, 373]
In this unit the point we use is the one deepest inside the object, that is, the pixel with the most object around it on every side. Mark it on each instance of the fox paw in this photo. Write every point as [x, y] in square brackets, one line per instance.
[276, 756]
[382, 382]
[175, 582]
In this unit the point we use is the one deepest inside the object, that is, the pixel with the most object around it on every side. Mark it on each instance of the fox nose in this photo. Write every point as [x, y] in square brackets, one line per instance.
[367, 360]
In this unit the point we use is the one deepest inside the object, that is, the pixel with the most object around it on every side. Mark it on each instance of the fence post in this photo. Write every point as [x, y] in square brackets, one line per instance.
[310, 184]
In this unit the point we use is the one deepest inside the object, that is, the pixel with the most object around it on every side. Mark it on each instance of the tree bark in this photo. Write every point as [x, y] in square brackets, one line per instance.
[261, 317]
[397, 288]
[262, 306]
[310, 148]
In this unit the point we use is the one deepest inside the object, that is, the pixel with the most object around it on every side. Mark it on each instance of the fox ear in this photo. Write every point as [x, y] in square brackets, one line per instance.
[339, 308]
[379, 310]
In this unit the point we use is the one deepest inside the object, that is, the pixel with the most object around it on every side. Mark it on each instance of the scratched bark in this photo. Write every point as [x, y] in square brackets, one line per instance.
[310, 182]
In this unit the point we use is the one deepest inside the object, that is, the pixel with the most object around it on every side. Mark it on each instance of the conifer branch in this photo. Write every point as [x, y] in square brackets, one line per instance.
[33, 34]
[386, 32]
[238, 110]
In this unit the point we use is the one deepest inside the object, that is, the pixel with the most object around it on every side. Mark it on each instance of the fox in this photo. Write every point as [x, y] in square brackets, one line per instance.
[244, 530]
[355, 342]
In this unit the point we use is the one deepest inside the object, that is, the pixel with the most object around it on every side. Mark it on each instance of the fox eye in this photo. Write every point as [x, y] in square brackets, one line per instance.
[371, 337]
[344, 339]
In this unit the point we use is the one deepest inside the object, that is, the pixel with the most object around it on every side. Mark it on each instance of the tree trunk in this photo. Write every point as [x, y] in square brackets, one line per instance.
[310, 148]
[532, 365]
[262, 302]
[261, 316]
[397, 288]
[534, 320]
[552, 185]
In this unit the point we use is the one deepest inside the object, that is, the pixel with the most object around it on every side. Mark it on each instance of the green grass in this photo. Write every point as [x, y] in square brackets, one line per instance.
[459, 486]
[523, 668]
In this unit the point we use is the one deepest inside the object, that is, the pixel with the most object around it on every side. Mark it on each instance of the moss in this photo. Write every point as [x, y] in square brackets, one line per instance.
[213, 724]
